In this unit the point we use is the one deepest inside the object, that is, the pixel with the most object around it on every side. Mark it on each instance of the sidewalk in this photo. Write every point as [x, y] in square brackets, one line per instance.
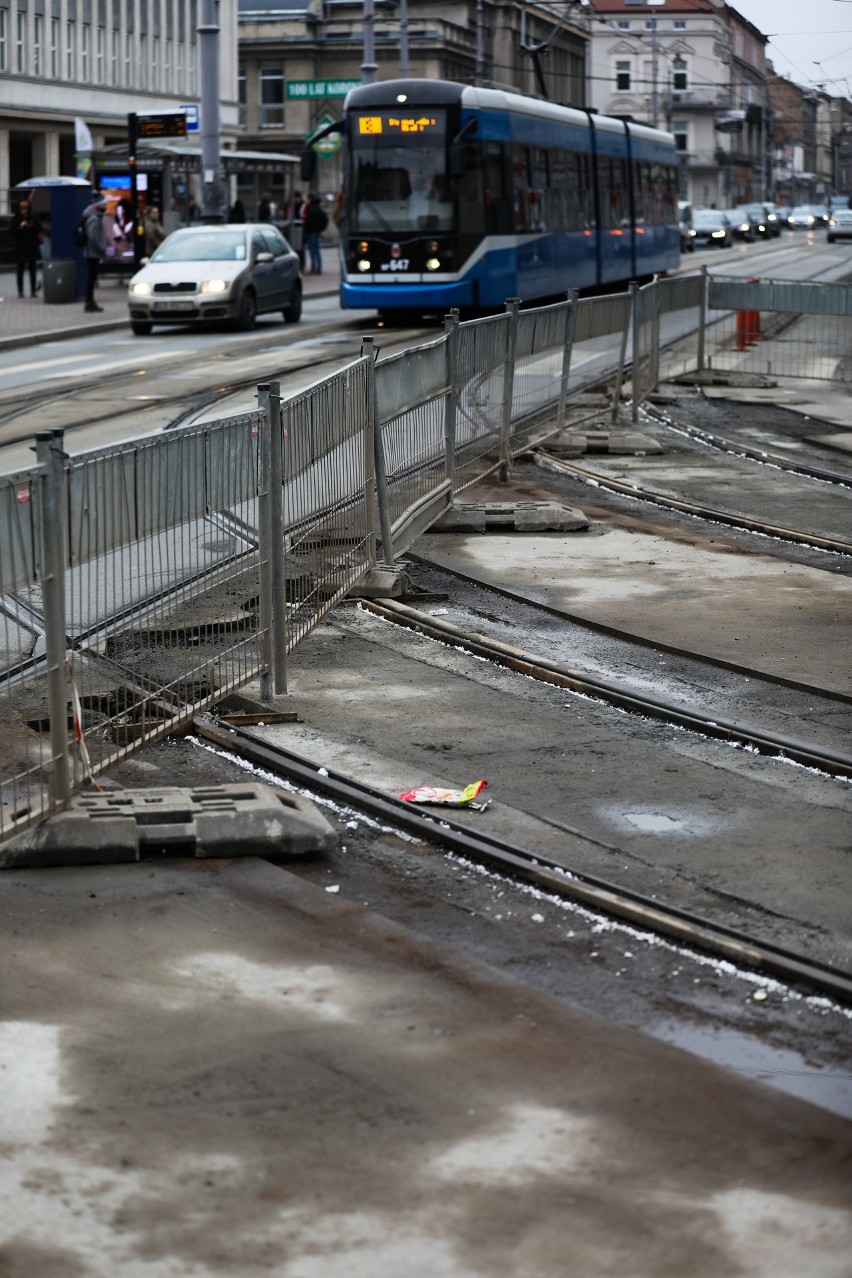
[28, 320]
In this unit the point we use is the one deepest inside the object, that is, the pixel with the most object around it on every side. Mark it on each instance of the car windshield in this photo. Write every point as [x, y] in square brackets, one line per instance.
[709, 218]
[802, 210]
[202, 246]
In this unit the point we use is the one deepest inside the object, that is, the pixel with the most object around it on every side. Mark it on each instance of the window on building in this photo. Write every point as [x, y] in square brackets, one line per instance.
[128, 59]
[650, 24]
[192, 69]
[622, 77]
[679, 24]
[622, 24]
[85, 69]
[271, 97]
[680, 79]
[100, 55]
[155, 64]
[21, 44]
[70, 51]
[680, 129]
[38, 44]
[179, 66]
[114, 49]
[4, 37]
[143, 62]
[167, 66]
[55, 53]
[241, 93]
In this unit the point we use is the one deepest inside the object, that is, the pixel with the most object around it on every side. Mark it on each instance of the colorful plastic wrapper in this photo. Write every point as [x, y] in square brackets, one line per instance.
[449, 798]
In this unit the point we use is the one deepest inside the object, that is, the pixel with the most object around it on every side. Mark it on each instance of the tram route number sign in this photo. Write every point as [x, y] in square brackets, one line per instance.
[169, 124]
[304, 89]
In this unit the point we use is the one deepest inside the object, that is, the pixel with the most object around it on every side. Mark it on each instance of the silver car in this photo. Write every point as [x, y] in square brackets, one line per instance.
[839, 225]
[207, 274]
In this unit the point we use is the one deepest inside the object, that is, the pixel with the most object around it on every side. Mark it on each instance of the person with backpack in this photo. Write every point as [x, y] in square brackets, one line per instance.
[316, 220]
[92, 231]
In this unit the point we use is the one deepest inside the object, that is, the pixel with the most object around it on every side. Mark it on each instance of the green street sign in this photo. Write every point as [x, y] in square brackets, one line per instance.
[326, 146]
[306, 89]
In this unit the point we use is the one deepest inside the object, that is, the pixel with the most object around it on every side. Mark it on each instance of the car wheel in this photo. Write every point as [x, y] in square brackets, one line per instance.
[141, 327]
[830, 239]
[293, 312]
[248, 311]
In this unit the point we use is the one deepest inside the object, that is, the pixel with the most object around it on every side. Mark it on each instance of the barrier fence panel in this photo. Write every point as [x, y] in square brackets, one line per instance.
[780, 329]
[482, 356]
[601, 327]
[412, 389]
[26, 756]
[539, 366]
[328, 491]
[682, 322]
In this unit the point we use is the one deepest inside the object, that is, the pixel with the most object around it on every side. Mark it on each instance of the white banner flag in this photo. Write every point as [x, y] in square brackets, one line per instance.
[82, 136]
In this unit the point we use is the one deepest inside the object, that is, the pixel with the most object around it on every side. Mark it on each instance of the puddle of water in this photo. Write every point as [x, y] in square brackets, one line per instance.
[785, 1070]
[654, 822]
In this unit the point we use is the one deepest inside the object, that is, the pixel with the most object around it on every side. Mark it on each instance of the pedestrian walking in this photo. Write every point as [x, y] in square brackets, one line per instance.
[95, 249]
[316, 221]
[154, 230]
[27, 236]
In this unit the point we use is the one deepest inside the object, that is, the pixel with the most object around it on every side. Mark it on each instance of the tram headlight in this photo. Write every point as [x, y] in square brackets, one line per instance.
[364, 265]
[433, 264]
[141, 288]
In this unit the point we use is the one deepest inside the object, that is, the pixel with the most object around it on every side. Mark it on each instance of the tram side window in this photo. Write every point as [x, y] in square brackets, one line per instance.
[559, 192]
[498, 220]
[521, 188]
[539, 190]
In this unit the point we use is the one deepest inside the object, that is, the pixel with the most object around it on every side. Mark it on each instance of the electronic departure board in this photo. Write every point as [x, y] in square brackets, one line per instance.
[389, 125]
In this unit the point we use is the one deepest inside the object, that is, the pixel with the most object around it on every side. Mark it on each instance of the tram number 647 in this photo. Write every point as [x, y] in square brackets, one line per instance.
[398, 264]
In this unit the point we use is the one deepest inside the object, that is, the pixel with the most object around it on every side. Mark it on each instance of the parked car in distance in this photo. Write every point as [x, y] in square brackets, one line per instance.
[206, 274]
[711, 229]
[742, 224]
[839, 225]
[782, 212]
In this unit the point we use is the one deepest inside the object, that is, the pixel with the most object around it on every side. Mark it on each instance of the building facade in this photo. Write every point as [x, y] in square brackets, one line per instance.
[98, 60]
[297, 58]
[696, 68]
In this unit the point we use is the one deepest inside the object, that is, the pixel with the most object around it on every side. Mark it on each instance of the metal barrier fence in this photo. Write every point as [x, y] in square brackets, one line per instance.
[144, 581]
[780, 328]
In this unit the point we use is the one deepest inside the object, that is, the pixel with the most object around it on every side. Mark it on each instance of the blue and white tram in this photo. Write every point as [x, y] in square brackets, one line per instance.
[459, 196]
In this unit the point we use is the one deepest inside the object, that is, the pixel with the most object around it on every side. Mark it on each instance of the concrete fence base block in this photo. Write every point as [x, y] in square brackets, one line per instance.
[384, 581]
[169, 822]
[569, 443]
[511, 516]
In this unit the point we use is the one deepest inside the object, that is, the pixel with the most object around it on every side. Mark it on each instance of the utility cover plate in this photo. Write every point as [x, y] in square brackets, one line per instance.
[173, 821]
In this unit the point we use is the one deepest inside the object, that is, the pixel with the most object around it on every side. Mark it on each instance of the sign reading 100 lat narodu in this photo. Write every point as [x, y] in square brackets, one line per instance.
[320, 88]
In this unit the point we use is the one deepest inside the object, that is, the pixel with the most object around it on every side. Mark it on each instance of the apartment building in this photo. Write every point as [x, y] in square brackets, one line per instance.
[697, 68]
[298, 57]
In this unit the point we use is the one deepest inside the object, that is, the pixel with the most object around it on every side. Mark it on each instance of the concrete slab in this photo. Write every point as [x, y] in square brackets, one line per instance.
[780, 618]
[214, 1068]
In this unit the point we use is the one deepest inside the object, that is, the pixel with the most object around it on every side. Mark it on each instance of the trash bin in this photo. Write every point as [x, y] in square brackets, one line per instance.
[60, 280]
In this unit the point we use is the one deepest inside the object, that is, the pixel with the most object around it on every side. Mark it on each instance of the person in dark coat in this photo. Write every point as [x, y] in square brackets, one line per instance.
[316, 220]
[96, 247]
[26, 234]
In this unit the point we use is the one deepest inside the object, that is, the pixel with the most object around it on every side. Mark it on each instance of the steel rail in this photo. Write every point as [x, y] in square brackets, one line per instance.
[626, 636]
[608, 690]
[745, 450]
[692, 508]
[577, 886]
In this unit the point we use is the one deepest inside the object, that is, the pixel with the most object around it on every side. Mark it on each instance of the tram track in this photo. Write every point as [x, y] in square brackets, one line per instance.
[709, 513]
[626, 905]
[833, 762]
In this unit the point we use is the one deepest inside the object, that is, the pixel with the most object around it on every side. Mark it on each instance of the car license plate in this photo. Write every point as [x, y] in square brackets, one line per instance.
[174, 306]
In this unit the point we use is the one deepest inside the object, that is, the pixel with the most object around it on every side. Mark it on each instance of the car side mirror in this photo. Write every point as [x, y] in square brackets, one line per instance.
[264, 257]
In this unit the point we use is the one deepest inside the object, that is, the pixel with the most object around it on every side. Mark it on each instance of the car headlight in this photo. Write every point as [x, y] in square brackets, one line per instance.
[141, 288]
[692, 232]
[214, 286]
[718, 235]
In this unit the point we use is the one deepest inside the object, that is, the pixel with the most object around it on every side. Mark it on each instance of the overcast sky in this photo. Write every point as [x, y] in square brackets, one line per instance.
[804, 32]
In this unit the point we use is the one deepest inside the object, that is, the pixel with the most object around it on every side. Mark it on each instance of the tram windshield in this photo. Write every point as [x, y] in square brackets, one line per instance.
[398, 177]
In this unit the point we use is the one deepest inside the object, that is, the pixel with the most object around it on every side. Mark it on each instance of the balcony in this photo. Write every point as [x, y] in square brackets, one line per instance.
[701, 99]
